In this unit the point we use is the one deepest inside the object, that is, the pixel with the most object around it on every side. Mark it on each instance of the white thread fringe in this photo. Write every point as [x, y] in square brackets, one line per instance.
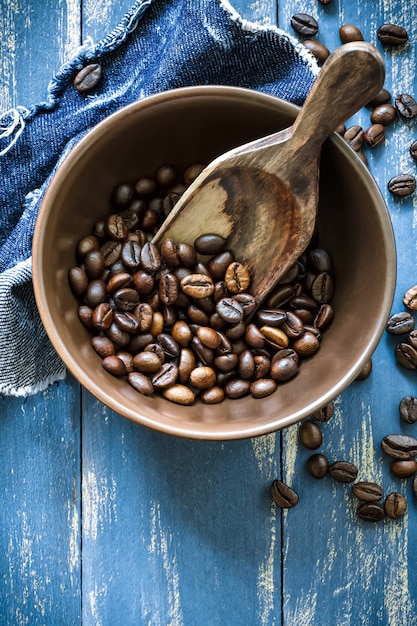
[12, 122]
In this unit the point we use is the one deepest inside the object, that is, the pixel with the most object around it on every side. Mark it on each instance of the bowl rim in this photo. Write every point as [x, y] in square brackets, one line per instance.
[203, 431]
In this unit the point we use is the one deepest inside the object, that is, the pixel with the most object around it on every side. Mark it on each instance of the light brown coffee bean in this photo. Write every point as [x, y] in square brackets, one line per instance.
[88, 78]
[237, 278]
[197, 285]
[395, 505]
[213, 395]
[262, 387]
[367, 491]
[180, 394]
[202, 377]
[404, 469]
[147, 362]
[114, 365]
[349, 32]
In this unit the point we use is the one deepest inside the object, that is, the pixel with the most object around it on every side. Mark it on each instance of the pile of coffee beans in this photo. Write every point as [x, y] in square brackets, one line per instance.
[383, 112]
[178, 319]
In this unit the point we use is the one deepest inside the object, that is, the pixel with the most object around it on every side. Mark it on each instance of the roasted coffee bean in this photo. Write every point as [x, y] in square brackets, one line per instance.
[408, 409]
[226, 362]
[406, 356]
[116, 228]
[348, 32]
[237, 278]
[126, 299]
[237, 388]
[402, 185]
[406, 106]
[118, 281]
[322, 288]
[94, 264]
[88, 78]
[122, 195]
[127, 359]
[145, 186]
[186, 364]
[168, 288]
[325, 413]
[375, 135]
[253, 336]
[414, 485]
[280, 296]
[365, 371]
[78, 280]
[229, 310]
[218, 265]
[119, 337]
[343, 472]
[166, 175]
[213, 395]
[412, 338]
[307, 344]
[262, 387]
[262, 366]
[395, 505]
[143, 282]
[235, 331]
[206, 355]
[320, 260]
[180, 394]
[275, 337]
[114, 365]
[111, 251]
[130, 254]
[168, 252]
[182, 333]
[126, 321]
[192, 172]
[317, 465]
[87, 244]
[85, 315]
[401, 447]
[284, 364]
[381, 97]
[209, 337]
[209, 243]
[166, 376]
[310, 435]
[95, 293]
[413, 150]
[246, 364]
[202, 377]
[392, 35]
[103, 346]
[197, 316]
[147, 362]
[141, 383]
[400, 323]
[404, 469]
[293, 326]
[367, 491]
[410, 298]
[354, 136]
[370, 512]
[384, 114]
[271, 317]
[318, 49]
[283, 495]
[197, 285]
[304, 24]
[323, 316]
[140, 342]
[150, 257]
[102, 316]
[169, 345]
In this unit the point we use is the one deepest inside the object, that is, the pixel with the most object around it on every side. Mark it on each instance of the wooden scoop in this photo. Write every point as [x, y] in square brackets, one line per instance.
[263, 195]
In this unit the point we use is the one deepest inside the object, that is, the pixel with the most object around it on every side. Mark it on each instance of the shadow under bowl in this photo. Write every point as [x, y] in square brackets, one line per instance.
[197, 124]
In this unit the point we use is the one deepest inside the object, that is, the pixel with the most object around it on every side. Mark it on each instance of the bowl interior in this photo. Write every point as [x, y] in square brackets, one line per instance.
[196, 125]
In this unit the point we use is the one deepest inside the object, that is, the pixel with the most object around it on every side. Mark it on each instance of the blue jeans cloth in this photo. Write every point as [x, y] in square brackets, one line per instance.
[159, 45]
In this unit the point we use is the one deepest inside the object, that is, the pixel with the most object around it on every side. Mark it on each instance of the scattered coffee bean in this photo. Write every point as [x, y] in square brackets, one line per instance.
[318, 49]
[367, 491]
[343, 471]
[400, 446]
[325, 413]
[408, 409]
[310, 435]
[348, 32]
[370, 512]
[365, 371]
[375, 135]
[402, 185]
[395, 505]
[384, 114]
[410, 298]
[392, 35]
[87, 78]
[406, 355]
[317, 465]
[355, 136]
[404, 469]
[406, 106]
[400, 323]
[282, 495]
[381, 97]
[304, 24]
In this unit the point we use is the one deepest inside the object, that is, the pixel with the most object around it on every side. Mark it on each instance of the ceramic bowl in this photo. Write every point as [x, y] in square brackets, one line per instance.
[197, 124]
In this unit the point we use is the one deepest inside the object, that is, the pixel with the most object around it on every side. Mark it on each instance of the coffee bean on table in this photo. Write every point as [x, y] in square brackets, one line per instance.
[349, 32]
[365, 371]
[384, 114]
[304, 24]
[310, 435]
[392, 35]
[343, 471]
[355, 136]
[410, 298]
[370, 512]
[413, 150]
[395, 505]
[283, 495]
[317, 49]
[367, 491]
[402, 185]
[406, 355]
[404, 469]
[400, 323]
[408, 409]
[375, 135]
[406, 106]
[381, 97]
[87, 78]
[400, 446]
[317, 465]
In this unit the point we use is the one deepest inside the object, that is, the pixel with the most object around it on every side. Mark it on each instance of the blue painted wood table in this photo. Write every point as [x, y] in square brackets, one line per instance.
[104, 522]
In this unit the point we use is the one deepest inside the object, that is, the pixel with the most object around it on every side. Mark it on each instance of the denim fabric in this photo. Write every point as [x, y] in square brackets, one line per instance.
[159, 45]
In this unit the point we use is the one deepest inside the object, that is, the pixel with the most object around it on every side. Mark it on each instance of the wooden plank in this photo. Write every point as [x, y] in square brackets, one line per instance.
[332, 560]
[40, 559]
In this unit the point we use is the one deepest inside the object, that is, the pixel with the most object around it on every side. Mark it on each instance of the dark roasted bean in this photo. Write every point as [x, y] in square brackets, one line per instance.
[271, 317]
[343, 472]
[400, 323]
[87, 78]
[349, 32]
[262, 387]
[355, 136]
[317, 465]
[392, 35]
[400, 446]
[383, 114]
[114, 365]
[395, 505]
[102, 316]
[95, 293]
[413, 150]
[141, 383]
[408, 409]
[406, 106]
[381, 97]
[229, 310]
[310, 435]
[218, 265]
[282, 495]
[365, 371]
[370, 512]
[103, 346]
[147, 362]
[367, 491]
[402, 185]
[404, 469]
[318, 49]
[94, 264]
[284, 364]
[209, 243]
[304, 24]
[78, 280]
[130, 254]
[166, 376]
[406, 356]
[236, 388]
[325, 413]
[213, 395]
[375, 135]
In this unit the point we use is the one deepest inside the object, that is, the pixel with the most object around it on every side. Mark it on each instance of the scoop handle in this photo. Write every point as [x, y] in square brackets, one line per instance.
[350, 77]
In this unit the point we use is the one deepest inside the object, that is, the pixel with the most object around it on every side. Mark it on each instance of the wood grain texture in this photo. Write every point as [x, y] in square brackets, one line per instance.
[183, 533]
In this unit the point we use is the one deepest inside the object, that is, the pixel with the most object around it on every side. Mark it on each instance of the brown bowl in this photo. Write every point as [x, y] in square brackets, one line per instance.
[192, 125]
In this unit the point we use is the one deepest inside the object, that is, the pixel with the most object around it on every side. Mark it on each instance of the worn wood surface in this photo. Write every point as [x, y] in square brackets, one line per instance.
[103, 522]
